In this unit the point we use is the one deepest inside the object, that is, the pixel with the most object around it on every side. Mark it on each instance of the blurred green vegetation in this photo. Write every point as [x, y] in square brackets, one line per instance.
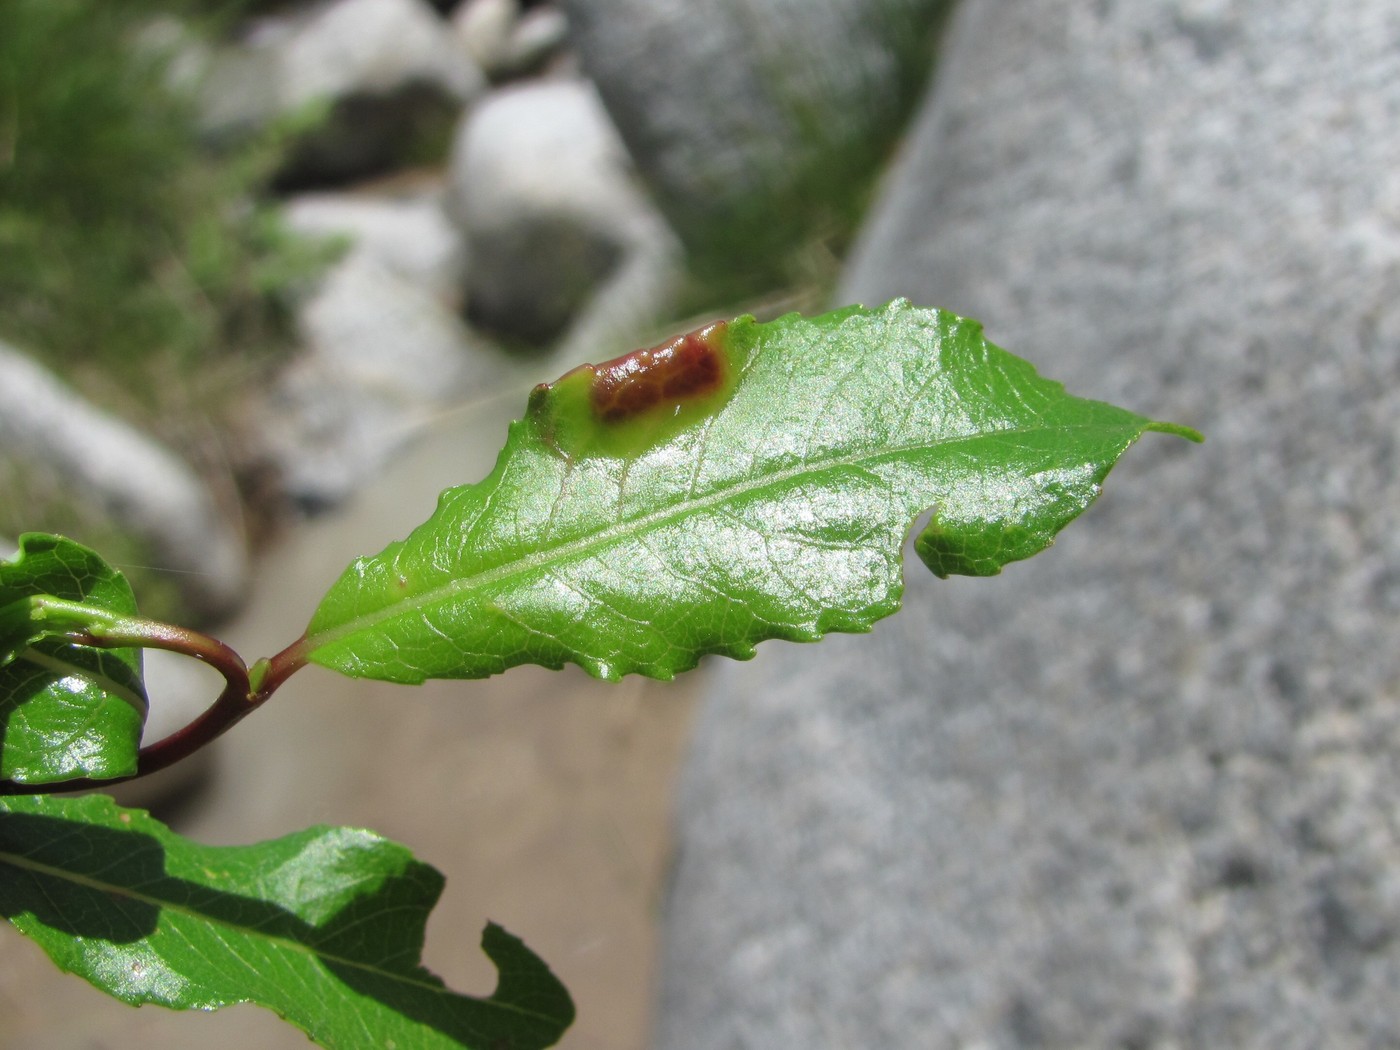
[126, 243]
[137, 261]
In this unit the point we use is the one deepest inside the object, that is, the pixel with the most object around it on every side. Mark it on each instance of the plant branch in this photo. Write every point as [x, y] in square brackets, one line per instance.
[239, 698]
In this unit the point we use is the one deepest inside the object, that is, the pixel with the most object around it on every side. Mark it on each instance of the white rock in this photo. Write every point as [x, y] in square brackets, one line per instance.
[484, 27]
[543, 188]
[383, 356]
[372, 47]
[410, 235]
[506, 40]
[141, 486]
[374, 327]
[385, 69]
[540, 33]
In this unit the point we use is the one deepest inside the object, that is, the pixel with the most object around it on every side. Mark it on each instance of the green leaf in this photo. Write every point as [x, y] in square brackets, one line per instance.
[66, 710]
[745, 482]
[324, 926]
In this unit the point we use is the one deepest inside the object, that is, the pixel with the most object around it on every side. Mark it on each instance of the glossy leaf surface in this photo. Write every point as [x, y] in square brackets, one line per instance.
[765, 496]
[324, 926]
[66, 710]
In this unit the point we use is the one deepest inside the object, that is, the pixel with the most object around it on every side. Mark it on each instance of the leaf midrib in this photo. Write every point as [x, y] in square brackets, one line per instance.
[655, 519]
[117, 889]
[104, 682]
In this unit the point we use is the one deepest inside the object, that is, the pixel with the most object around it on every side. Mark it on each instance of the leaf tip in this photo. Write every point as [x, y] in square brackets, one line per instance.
[526, 982]
[1179, 430]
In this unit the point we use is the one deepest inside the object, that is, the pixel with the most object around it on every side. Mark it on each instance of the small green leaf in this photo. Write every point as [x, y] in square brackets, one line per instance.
[66, 710]
[324, 926]
[745, 482]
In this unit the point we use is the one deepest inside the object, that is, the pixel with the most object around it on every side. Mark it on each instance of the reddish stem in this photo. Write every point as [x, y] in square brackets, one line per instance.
[240, 696]
[269, 673]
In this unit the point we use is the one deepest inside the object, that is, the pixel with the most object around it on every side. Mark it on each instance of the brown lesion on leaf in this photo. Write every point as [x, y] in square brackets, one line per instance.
[689, 366]
[625, 405]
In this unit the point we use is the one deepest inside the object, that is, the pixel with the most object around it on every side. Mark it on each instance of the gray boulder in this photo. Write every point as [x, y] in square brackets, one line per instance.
[55, 444]
[389, 74]
[756, 123]
[570, 250]
[1140, 791]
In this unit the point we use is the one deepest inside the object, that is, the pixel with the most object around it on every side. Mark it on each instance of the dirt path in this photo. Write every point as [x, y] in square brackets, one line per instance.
[543, 797]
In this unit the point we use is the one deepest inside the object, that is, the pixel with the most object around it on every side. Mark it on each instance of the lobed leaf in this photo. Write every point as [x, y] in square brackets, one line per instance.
[66, 710]
[324, 926]
[744, 482]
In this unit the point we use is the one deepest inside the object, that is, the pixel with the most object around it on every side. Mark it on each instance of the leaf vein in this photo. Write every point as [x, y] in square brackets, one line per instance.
[655, 520]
